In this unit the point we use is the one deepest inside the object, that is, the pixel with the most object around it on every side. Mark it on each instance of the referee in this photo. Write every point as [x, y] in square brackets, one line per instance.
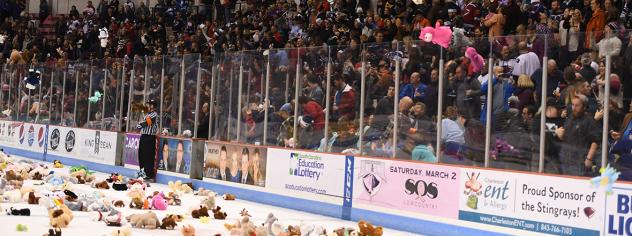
[147, 147]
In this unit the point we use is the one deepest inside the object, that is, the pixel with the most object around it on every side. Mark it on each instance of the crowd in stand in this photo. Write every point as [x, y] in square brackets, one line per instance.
[573, 36]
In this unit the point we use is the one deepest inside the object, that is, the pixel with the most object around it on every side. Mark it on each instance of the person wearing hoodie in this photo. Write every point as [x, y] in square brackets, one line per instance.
[502, 90]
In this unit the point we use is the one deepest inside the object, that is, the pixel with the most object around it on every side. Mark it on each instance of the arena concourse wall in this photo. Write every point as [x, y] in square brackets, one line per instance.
[430, 199]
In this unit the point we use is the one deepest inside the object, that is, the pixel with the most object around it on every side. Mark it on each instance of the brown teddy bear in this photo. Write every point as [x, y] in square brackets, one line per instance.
[136, 203]
[218, 214]
[229, 197]
[168, 223]
[101, 185]
[147, 220]
[118, 203]
[33, 200]
[188, 230]
[61, 217]
[203, 211]
[82, 177]
[367, 229]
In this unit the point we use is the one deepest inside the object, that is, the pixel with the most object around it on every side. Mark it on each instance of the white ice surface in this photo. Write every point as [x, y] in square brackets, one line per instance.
[82, 225]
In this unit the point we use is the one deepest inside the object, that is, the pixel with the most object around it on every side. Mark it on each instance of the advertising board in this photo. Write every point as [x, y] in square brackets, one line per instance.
[229, 162]
[536, 203]
[407, 186]
[82, 144]
[305, 173]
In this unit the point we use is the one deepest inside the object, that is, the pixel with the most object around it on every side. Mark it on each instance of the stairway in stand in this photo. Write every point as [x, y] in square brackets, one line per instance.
[47, 27]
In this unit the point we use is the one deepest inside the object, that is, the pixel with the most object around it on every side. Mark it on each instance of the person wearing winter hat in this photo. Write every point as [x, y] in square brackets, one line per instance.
[610, 44]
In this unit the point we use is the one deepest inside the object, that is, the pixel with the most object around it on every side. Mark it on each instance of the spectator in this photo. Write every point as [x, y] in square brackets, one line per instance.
[580, 140]
[313, 90]
[314, 110]
[44, 10]
[554, 78]
[466, 91]
[502, 90]
[595, 25]
[527, 63]
[415, 89]
[345, 99]
[419, 119]
[587, 71]
[553, 143]
[610, 44]
[526, 94]
[89, 10]
[495, 21]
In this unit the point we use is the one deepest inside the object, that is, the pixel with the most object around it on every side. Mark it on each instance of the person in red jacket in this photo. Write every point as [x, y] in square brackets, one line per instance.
[344, 102]
[313, 110]
[312, 123]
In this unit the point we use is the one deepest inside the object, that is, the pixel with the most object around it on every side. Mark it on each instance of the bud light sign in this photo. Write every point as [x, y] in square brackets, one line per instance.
[619, 212]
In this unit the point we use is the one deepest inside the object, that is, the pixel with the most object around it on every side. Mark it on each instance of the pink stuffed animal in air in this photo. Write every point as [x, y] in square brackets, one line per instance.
[158, 202]
[476, 60]
[440, 35]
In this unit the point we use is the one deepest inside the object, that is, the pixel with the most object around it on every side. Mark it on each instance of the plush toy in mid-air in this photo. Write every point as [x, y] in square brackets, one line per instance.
[32, 79]
[103, 37]
[440, 35]
[476, 60]
[97, 96]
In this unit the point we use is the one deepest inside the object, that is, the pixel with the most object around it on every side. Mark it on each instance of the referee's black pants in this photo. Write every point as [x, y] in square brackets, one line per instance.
[147, 155]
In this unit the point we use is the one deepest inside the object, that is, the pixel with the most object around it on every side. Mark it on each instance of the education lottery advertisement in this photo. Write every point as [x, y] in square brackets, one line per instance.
[543, 204]
[407, 186]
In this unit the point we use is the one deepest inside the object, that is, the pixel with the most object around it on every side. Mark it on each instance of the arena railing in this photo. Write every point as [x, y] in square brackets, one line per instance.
[251, 97]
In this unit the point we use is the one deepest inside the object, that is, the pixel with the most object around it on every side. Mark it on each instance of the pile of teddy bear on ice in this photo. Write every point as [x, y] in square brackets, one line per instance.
[53, 188]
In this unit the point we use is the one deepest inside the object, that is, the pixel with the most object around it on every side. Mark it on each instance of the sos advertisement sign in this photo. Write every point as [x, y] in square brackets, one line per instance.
[306, 174]
[534, 203]
[406, 186]
[82, 144]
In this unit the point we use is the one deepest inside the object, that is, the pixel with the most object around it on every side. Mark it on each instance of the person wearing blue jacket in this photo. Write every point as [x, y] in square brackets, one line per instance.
[502, 90]
[415, 89]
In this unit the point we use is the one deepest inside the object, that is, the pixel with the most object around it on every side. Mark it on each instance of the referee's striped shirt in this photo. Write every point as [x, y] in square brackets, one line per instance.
[149, 125]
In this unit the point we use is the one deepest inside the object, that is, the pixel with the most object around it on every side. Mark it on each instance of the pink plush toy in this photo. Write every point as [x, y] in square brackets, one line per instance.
[440, 35]
[476, 60]
[158, 202]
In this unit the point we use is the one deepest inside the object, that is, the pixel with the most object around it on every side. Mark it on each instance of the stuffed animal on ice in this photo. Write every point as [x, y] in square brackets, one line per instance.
[241, 227]
[158, 202]
[138, 182]
[121, 232]
[209, 202]
[440, 35]
[367, 229]
[82, 176]
[112, 218]
[188, 230]
[39, 173]
[311, 230]
[168, 223]
[178, 187]
[147, 220]
[103, 37]
[60, 217]
[202, 211]
[476, 60]
[32, 79]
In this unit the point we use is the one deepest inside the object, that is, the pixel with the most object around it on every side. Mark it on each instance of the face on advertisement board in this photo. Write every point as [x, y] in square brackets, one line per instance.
[235, 163]
[175, 155]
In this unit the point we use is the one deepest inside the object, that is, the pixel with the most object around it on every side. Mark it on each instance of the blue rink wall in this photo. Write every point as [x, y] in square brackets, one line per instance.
[104, 152]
